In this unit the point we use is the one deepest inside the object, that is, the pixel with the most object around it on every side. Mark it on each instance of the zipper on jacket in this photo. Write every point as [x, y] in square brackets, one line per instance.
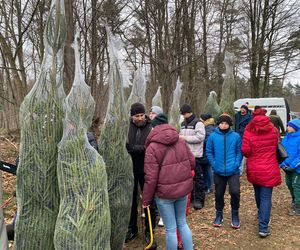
[225, 154]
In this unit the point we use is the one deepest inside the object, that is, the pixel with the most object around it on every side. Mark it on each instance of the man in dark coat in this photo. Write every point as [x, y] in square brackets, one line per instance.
[139, 129]
[276, 120]
[242, 118]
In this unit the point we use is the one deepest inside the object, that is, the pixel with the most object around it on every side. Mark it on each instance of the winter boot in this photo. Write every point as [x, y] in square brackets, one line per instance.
[219, 219]
[235, 220]
[296, 210]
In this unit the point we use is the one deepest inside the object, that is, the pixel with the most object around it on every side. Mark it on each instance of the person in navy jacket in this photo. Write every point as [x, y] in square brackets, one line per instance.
[223, 150]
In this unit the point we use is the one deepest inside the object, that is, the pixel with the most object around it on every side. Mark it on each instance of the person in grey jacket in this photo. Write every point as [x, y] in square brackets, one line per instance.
[193, 132]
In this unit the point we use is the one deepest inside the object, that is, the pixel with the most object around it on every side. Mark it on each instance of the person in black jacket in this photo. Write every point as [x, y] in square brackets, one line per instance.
[139, 129]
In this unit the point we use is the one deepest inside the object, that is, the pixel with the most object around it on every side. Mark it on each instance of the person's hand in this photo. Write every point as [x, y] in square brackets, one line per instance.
[138, 149]
[182, 137]
[145, 206]
[287, 169]
[129, 148]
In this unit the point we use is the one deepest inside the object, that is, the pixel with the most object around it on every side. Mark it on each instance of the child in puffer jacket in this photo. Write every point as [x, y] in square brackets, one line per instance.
[223, 150]
[291, 165]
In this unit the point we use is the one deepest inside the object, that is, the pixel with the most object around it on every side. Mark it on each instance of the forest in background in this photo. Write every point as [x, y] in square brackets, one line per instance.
[169, 39]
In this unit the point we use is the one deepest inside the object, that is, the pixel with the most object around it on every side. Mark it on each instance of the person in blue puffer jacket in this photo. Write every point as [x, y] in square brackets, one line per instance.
[223, 150]
[291, 165]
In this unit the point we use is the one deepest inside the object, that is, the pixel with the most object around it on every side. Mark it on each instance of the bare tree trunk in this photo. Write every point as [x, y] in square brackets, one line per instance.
[69, 59]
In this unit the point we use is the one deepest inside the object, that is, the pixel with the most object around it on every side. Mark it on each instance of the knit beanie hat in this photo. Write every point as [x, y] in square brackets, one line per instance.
[137, 108]
[259, 111]
[185, 108]
[159, 119]
[225, 118]
[295, 124]
[205, 117]
[245, 107]
[156, 109]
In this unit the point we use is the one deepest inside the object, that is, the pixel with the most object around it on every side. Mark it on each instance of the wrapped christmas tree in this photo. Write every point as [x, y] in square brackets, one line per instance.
[228, 87]
[174, 111]
[112, 148]
[41, 115]
[83, 220]
[211, 106]
[156, 100]
[138, 89]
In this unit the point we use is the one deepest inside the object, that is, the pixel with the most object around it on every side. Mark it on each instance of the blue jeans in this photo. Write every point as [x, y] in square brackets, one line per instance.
[172, 212]
[263, 198]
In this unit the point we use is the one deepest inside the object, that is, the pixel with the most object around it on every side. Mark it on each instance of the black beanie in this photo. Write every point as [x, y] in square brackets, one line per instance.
[137, 108]
[159, 119]
[225, 118]
[245, 107]
[185, 108]
[205, 117]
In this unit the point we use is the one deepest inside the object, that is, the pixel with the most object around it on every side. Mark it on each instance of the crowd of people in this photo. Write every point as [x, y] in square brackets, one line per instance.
[171, 167]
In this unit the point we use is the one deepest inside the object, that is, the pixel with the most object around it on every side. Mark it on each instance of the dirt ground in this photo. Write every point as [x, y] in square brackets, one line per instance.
[284, 228]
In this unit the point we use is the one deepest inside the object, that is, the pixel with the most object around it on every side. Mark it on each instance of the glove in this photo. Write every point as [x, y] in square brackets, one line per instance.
[139, 149]
[129, 148]
[287, 169]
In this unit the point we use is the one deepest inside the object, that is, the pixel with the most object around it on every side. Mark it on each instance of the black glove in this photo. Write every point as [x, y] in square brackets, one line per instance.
[139, 149]
[129, 148]
[287, 169]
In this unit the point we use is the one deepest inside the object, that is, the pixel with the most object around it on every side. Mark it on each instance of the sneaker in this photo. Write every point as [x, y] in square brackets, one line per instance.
[264, 234]
[295, 212]
[130, 235]
[143, 215]
[160, 222]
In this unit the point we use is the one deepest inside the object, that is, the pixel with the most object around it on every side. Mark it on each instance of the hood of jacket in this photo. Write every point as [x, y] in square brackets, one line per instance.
[164, 134]
[260, 124]
[295, 123]
[210, 121]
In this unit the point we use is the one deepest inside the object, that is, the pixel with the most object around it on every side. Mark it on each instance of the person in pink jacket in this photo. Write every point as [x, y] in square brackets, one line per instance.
[259, 147]
[168, 178]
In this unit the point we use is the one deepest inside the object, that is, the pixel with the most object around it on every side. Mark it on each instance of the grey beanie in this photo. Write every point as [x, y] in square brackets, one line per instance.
[156, 109]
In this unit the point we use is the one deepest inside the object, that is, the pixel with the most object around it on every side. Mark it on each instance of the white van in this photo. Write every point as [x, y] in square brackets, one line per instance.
[269, 103]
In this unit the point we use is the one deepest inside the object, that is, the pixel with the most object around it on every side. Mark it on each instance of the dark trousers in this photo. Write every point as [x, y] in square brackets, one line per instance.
[207, 173]
[199, 186]
[263, 198]
[139, 179]
[292, 180]
[234, 191]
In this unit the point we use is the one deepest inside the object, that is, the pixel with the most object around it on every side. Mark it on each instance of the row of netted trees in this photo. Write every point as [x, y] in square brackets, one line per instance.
[68, 195]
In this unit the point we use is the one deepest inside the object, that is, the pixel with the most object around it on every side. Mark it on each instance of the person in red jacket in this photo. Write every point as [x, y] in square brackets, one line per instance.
[259, 146]
[168, 178]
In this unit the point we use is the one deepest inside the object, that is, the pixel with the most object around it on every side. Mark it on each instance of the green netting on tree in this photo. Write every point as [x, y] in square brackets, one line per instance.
[156, 100]
[228, 87]
[138, 89]
[41, 115]
[211, 106]
[112, 148]
[83, 220]
[174, 111]
[3, 234]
